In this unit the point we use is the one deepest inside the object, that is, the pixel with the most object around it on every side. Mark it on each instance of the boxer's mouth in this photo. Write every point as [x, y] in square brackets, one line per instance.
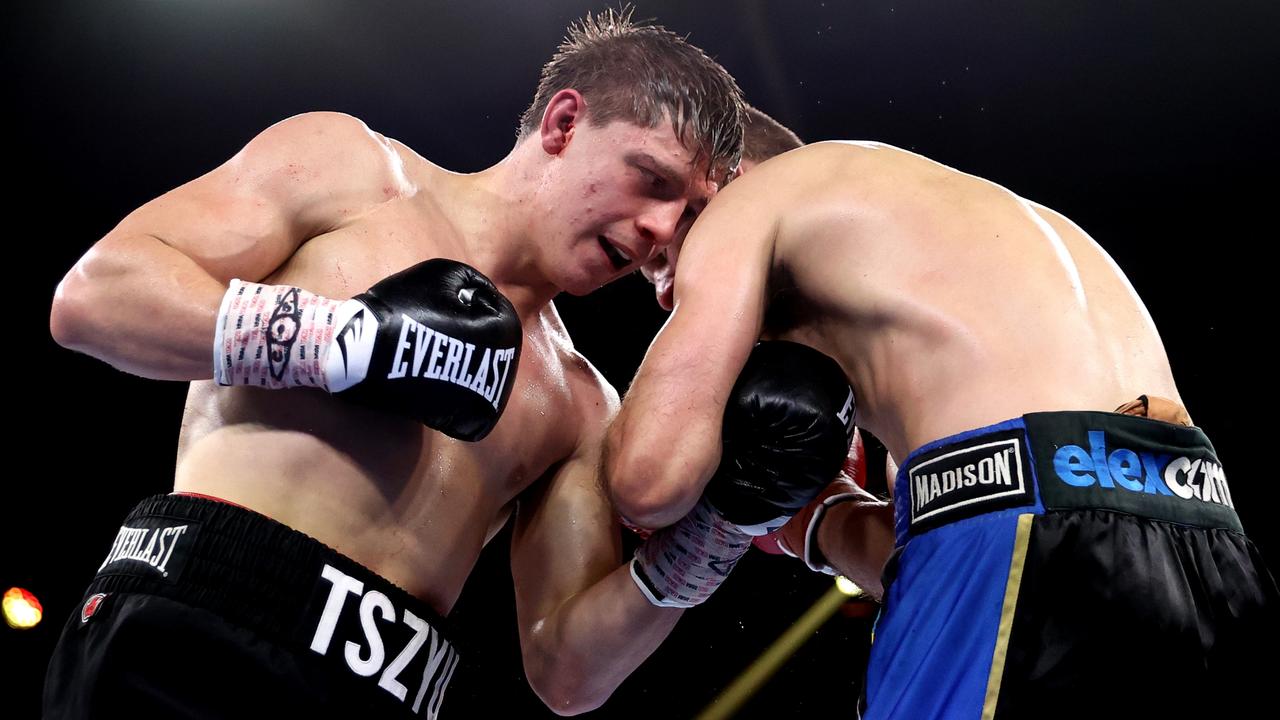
[615, 256]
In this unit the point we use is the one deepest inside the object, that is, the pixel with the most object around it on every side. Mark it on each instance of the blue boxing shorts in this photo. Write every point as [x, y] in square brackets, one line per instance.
[1073, 565]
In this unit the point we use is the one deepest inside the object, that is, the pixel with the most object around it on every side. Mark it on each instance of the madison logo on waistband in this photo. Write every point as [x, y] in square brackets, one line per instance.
[151, 548]
[410, 659]
[969, 480]
[1187, 477]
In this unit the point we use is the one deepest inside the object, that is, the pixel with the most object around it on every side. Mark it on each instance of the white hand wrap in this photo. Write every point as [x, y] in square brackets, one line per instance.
[272, 336]
[680, 566]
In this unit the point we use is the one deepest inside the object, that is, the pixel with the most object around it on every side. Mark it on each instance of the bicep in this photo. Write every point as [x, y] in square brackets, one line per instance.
[566, 538]
[566, 535]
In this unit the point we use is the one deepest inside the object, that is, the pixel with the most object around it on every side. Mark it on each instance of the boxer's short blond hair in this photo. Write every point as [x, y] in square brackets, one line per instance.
[645, 74]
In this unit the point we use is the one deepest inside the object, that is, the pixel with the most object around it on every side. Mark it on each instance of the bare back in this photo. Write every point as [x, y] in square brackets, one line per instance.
[410, 504]
[951, 302]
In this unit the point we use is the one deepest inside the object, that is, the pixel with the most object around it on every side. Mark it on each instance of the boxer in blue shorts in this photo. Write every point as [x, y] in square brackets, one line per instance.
[1092, 565]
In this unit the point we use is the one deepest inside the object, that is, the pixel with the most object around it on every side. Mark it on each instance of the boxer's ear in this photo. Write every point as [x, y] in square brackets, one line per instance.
[564, 111]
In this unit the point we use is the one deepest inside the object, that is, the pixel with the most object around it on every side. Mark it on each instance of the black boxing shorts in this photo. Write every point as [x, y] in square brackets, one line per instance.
[206, 609]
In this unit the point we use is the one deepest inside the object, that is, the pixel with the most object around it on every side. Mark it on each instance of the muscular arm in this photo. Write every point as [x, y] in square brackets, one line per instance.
[584, 625]
[665, 444]
[145, 297]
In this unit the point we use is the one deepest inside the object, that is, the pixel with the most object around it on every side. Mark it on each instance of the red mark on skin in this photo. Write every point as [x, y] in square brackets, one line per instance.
[388, 191]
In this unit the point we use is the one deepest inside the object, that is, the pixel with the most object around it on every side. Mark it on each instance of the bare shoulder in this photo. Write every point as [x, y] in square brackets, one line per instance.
[326, 147]
[806, 171]
[1057, 220]
[868, 154]
[594, 399]
[332, 130]
[825, 152]
[807, 186]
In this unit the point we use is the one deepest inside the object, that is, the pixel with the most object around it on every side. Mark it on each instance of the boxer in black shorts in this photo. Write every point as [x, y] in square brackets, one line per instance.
[373, 356]
[195, 588]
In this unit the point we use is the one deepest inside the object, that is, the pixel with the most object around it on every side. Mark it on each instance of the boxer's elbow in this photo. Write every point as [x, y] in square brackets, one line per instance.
[73, 316]
[655, 504]
[648, 487]
[564, 688]
[88, 302]
[565, 700]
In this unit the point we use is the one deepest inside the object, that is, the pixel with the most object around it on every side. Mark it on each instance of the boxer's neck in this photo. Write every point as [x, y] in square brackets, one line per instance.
[494, 212]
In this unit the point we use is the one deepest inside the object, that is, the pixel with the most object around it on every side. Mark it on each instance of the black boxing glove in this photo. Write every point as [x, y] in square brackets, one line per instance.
[788, 426]
[787, 429]
[436, 342]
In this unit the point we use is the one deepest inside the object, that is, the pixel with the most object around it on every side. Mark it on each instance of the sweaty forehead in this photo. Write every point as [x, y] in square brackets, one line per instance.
[699, 159]
[678, 169]
[686, 150]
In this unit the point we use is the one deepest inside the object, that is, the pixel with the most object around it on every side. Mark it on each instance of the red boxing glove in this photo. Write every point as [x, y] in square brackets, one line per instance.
[799, 537]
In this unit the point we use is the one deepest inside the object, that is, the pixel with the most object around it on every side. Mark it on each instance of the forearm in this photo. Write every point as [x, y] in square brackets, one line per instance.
[856, 538]
[141, 306]
[576, 657]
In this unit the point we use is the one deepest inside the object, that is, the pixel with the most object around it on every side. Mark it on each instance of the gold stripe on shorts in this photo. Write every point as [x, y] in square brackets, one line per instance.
[1006, 614]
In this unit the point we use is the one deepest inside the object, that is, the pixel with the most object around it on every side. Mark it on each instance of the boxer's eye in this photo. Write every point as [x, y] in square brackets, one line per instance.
[653, 179]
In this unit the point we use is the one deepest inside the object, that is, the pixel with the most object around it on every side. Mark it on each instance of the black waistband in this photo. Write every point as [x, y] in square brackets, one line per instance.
[285, 586]
[1065, 460]
[238, 563]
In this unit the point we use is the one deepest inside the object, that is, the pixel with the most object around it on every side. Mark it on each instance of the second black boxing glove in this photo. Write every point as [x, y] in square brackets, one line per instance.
[788, 426]
[787, 430]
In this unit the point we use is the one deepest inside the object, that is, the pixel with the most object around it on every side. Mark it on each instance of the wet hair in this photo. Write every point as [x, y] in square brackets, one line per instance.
[645, 74]
[763, 137]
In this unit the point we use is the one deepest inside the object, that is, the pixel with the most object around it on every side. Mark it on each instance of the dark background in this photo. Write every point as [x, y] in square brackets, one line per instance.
[1151, 124]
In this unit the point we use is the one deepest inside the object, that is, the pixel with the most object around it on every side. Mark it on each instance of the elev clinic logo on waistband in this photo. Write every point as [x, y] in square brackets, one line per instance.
[969, 480]
[1152, 473]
